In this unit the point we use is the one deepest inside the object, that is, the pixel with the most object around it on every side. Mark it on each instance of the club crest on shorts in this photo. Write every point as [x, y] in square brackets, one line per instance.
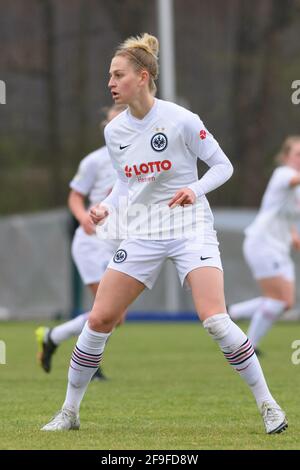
[159, 142]
[120, 256]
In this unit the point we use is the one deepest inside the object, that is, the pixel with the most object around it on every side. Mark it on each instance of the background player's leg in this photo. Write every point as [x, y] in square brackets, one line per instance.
[278, 295]
[66, 330]
[244, 310]
[71, 328]
[50, 338]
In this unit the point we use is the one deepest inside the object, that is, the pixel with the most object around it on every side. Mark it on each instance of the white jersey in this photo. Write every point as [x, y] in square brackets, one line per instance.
[95, 177]
[279, 210]
[157, 156]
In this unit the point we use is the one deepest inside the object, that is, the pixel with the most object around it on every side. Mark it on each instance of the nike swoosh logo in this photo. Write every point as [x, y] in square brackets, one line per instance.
[203, 259]
[122, 147]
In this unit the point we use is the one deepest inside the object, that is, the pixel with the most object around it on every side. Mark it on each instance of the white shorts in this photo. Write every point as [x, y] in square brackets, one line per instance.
[265, 262]
[143, 259]
[92, 255]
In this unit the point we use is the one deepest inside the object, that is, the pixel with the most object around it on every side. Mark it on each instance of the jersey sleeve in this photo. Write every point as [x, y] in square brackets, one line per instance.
[197, 138]
[85, 177]
[282, 177]
[220, 170]
[119, 190]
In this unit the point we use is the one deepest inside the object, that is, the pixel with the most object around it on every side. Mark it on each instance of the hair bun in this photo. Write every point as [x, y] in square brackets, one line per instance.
[147, 42]
[152, 43]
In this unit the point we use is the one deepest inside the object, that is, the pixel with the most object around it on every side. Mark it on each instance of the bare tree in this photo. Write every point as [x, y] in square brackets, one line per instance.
[128, 15]
[260, 24]
[54, 148]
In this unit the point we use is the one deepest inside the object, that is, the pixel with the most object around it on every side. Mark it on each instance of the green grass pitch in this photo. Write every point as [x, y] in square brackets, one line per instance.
[169, 388]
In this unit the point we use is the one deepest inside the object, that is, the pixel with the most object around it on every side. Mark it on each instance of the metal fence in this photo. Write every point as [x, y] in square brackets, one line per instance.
[37, 281]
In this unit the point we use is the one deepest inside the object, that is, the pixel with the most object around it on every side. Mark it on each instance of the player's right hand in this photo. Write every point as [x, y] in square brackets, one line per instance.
[87, 224]
[98, 213]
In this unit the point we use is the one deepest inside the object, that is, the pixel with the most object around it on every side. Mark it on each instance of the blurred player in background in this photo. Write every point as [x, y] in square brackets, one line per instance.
[154, 146]
[268, 243]
[94, 180]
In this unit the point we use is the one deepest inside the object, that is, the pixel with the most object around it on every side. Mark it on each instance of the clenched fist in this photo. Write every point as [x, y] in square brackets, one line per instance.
[98, 214]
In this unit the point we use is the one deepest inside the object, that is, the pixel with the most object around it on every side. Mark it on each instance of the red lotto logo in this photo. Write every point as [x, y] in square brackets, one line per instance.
[149, 167]
[202, 134]
[128, 171]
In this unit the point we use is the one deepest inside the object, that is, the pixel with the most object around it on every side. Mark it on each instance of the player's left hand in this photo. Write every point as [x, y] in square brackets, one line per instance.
[182, 197]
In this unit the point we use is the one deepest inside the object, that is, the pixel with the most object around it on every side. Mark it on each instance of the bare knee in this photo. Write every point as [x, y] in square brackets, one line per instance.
[103, 322]
[288, 299]
[208, 309]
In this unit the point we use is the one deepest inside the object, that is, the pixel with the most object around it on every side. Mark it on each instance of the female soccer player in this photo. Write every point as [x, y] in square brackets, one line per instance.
[268, 242]
[94, 180]
[154, 146]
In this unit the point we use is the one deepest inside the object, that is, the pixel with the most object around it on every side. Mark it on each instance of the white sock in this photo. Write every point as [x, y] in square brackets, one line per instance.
[70, 328]
[264, 317]
[240, 354]
[85, 361]
[244, 310]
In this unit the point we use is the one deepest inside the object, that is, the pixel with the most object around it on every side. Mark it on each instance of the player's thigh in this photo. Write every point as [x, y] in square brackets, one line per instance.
[207, 285]
[115, 293]
[278, 288]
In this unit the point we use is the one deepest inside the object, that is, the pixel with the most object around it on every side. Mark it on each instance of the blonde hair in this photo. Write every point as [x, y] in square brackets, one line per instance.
[142, 52]
[286, 148]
